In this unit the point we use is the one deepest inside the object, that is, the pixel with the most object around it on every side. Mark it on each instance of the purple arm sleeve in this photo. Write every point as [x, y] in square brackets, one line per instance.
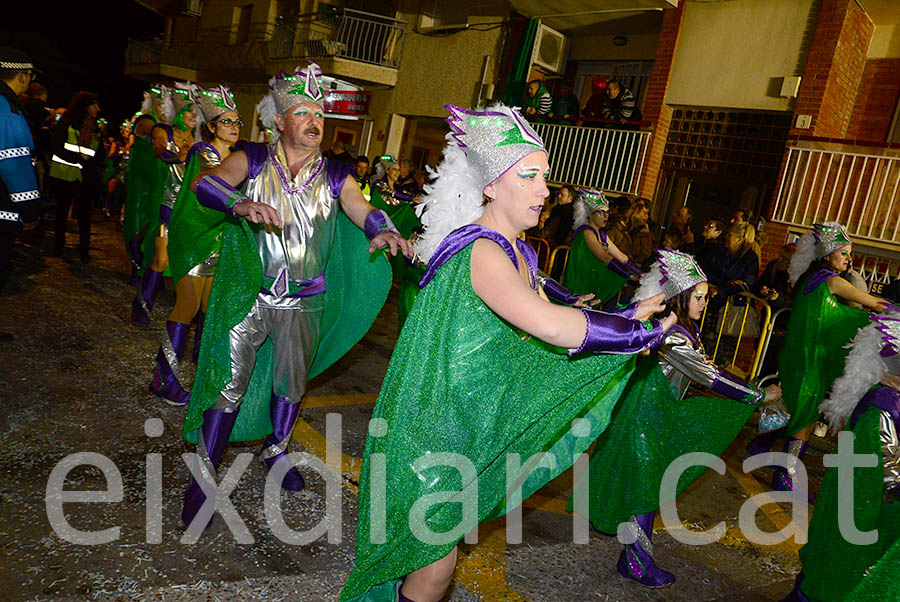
[611, 333]
[732, 387]
[557, 292]
[378, 222]
[216, 193]
[619, 268]
[635, 268]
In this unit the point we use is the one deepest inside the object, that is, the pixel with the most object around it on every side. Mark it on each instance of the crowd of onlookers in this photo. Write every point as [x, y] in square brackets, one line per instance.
[610, 101]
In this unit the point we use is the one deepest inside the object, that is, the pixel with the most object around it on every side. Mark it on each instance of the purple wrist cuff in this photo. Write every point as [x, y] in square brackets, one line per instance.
[619, 268]
[165, 214]
[611, 333]
[728, 385]
[628, 312]
[557, 292]
[378, 222]
[169, 158]
[634, 268]
[216, 193]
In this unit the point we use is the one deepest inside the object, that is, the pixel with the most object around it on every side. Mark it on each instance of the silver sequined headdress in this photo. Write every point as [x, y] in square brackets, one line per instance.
[157, 97]
[587, 202]
[213, 101]
[288, 90]
[672, 273]
[481, 146]
[822, 240]
[874, 351]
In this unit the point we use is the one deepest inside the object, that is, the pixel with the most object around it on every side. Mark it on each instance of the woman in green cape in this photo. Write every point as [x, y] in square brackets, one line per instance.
[195, 233]
[596, 265]
[819, 327]
[466, 391]
[865, 400]
[652, 425]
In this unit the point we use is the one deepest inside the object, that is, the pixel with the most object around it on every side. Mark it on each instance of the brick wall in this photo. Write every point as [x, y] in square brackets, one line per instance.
[655, 109]
[771, 241]
[834, 68]
[876, 100]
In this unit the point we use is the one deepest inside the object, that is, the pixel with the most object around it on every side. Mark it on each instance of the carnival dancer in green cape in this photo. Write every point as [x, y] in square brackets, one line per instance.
[296, 285]
[144, 176]
[595, 264]
[653, 425]
[473, 386]
[171, 143]
[195, 233]
[865, 400]
[819, 327]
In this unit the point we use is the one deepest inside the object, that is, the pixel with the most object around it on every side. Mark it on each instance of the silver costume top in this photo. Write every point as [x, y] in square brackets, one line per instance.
[300, 248]
[207, 158]
[682, 361]
[174, 177]
[890, 451]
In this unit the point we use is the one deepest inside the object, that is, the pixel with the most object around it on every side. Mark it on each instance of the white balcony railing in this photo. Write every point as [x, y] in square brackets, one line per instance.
[605, 158]
[857, 186]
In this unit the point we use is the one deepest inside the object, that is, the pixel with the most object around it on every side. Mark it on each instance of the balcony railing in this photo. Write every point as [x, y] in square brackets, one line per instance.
[857, 186]
[605, 158]
[354, 35]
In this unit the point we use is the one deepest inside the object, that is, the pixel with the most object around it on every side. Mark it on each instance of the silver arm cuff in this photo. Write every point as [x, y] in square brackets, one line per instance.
[890, 451]
[207, 158]
[679, 354]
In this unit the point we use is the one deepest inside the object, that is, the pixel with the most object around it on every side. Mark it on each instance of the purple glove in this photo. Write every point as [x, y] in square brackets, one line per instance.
[378, 222]
[611, 333]
[216, 193]
[557, 292]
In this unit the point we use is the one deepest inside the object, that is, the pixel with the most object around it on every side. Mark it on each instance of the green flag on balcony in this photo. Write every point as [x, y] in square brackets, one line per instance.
[518, 75]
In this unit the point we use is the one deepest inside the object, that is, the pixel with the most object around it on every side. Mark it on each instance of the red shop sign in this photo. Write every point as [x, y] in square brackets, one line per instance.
[347, 102]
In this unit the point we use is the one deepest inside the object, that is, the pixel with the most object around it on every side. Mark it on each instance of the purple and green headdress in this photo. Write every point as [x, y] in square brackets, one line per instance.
[822, 240]
[481, 146]
[874, 351]
[183, 102]
[287, 90]
[213, 101]
[587, 202]
[672, 273]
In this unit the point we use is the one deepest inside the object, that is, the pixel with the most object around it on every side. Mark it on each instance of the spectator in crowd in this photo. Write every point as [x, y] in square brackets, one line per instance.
[739, 217]
[680, 227]
[559, 224]
[595, 104]
[406, 183]
[632, 233]
[537, 99]
[739, 270]
[361, 171]
[710, 250]
[41, 121]
[339, 153]
[421, 178]
[566, 104]
[620, 104]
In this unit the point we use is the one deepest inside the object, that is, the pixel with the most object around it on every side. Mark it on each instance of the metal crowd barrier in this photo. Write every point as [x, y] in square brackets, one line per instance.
[540, 245]
[564, 249]
[765, 330]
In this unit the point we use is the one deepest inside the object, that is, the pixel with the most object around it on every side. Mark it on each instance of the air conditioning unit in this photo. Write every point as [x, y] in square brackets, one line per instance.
[192, 7]
[550, 48]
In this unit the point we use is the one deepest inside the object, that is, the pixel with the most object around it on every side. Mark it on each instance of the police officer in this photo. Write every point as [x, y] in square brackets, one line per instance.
[19, 196]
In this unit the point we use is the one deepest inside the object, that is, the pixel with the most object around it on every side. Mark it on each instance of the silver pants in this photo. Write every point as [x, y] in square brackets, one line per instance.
[293, 326]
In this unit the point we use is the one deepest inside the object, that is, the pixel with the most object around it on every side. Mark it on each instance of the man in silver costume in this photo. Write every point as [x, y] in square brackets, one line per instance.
[290, 196]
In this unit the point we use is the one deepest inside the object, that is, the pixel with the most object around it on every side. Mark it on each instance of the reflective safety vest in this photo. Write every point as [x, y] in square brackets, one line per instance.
[66, 170]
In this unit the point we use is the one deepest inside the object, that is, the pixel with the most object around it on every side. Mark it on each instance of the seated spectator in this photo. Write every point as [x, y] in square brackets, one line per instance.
[775, 287]
[559, 224]
[406, 183]
[710, 250]
[537, 99]
[339, 153]
[566, 104]
[632, 233]
[671, 240]
[740, 266]
[594, 106]
[620, 104]
[361, 175]
[739, 217]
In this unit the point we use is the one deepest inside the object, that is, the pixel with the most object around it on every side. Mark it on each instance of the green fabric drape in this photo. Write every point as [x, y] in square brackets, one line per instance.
[518, 75]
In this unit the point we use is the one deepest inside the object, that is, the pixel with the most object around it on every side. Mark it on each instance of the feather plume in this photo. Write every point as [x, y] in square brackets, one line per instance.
[803, 257]
[581, 214]
[862, 369]
[650, 283]
[147, 104]
[452, 201]
[266, 111]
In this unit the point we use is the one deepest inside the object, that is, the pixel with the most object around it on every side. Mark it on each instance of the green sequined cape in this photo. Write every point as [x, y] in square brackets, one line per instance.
[194, 230]
[144, 178]
[832, 567]
[585, 273]
[357, 285]
[883, 581]
[650, 428]
[813, 353]
[463, 381]
[409, 290]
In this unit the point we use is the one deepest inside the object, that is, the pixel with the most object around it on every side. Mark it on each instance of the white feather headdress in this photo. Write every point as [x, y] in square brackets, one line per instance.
[821, 240]
[672, 273]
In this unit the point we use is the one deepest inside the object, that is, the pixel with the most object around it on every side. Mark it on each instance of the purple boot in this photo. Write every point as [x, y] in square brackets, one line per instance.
[636, 560]
[211, 444]
[275, 447]
[198, 333]
[783, 479]
[762, 443]
[143, 301]
[165, 383]
[797, 594]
